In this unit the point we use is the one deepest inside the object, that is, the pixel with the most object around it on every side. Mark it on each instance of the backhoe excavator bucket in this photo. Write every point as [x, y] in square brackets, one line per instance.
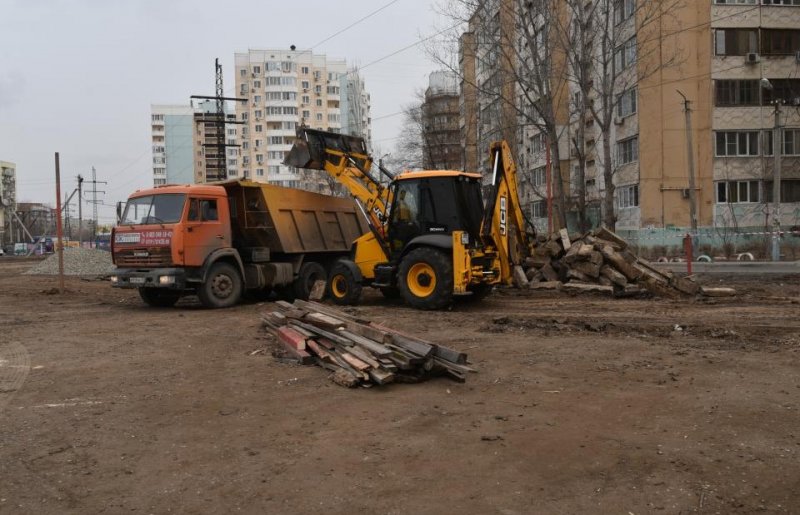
[310, 148]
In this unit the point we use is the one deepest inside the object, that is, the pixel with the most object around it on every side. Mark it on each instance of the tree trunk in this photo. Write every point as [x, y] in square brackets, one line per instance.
[557, 181]
[609, 216]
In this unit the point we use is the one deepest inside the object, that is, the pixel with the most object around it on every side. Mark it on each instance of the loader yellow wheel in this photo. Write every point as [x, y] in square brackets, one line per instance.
[421, 279]
[426, 278]
[344, 287]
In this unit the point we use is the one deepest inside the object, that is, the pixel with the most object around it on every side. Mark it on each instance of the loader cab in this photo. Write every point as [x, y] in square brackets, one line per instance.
[433, 203]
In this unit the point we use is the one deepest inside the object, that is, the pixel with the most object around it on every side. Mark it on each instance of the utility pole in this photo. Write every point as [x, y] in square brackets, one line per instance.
[80, 211]
[777, 149]
[690, 155]
[94, 182]
[219, 121]
[59, 232]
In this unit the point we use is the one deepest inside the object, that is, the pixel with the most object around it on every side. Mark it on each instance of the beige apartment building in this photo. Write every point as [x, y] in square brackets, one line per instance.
[733, 60]
[8, 201]
[286, 88]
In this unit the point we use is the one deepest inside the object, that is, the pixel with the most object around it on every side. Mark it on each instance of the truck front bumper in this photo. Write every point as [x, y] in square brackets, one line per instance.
[167, 278]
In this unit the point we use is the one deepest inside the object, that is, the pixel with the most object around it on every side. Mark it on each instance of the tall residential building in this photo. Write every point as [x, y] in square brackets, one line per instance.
[287, 88]
[8, 201]
[184, 139]
[441, 137]
[355, 106]
[172, 128]
[732, 59]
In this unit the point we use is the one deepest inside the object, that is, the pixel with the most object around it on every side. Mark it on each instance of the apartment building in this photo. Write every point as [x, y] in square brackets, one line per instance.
[8, 201]
[441, 138]
[185, 144]
[734, 60]
[287, 88]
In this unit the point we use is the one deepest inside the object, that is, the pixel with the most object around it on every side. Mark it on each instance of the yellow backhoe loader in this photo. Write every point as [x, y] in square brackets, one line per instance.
[431, 236]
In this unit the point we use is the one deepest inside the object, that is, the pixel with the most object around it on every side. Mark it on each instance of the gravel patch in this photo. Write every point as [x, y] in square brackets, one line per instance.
[77, 261]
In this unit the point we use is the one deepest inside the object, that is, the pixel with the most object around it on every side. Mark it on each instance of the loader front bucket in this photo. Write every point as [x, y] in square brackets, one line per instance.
[310, 148]
[299, 156]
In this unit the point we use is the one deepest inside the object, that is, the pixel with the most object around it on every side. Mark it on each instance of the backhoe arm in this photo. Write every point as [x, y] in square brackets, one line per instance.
[345, 159]
[504, 224]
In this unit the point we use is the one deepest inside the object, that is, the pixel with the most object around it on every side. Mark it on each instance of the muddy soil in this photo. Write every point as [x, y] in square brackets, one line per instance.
[582, 404]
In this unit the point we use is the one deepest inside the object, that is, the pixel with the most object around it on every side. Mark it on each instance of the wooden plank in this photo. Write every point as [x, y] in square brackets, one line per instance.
[285, 305]
[276, 318]
[354, 362]
[326, 343]
[371, 345]
[381, 376]
[421, 349]
[717, 292]
[335, 338]
[345, 378]
[301, 355]
[454, 366]
[317, 349]
[292, 337]
[324, 321]
[367, 331]
[364, 356]
[447, 354]
[318, 290]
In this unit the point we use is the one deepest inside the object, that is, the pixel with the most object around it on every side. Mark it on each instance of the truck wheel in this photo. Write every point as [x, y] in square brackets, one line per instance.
[309, 273]
[426, 278]
[158, 298]
[222, 288]
[343, 286]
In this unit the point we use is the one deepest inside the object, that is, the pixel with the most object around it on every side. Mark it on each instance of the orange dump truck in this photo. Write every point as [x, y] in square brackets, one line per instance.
[220, 240]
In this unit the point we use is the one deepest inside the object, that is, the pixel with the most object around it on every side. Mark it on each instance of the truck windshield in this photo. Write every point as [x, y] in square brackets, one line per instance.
[165, 208]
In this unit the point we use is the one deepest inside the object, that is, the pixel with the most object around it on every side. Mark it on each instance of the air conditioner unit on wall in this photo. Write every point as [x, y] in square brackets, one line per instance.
[752, 58]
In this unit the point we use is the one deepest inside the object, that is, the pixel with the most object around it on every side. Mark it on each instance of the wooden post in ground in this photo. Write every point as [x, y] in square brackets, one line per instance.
[59, 231]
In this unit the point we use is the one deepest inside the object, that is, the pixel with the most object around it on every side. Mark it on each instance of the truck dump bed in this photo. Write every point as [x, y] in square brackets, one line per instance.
[290, 221]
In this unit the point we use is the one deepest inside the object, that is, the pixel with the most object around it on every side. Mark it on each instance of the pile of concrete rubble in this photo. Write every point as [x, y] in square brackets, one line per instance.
[601, 261]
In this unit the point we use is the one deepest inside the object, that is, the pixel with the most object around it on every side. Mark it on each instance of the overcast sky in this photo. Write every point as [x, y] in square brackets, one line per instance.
[78, 76]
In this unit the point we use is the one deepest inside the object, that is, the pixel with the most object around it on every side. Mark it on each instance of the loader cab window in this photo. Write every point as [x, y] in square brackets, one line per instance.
[203, 210]
[404, 214]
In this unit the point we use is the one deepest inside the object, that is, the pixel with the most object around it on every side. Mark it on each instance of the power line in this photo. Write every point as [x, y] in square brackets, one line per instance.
[373, 13]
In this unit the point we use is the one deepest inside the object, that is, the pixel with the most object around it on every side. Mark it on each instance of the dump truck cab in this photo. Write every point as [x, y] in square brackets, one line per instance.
[219, 240]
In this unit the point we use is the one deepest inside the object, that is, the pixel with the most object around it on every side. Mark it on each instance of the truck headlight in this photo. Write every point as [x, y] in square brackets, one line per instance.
[166, 279]
[114, 279]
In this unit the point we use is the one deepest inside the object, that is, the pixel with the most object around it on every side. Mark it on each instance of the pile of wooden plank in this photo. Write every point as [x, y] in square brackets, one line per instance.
[356, 351]
[601, 261]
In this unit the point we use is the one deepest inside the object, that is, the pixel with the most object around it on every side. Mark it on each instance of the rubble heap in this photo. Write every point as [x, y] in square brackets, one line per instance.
[601, 261]
[77, 261]
[356, 351]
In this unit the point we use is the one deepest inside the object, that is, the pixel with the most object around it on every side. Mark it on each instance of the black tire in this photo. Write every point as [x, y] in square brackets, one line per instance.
[479, 292]
[426, 278]
[159, 298]
[222, 288]
[344, 288]
[309, 273]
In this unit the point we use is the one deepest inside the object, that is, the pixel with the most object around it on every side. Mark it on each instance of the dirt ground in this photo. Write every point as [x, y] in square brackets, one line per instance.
[582, 404]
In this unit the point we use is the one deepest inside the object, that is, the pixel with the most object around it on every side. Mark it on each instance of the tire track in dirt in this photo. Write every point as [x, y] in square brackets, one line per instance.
[15, 364]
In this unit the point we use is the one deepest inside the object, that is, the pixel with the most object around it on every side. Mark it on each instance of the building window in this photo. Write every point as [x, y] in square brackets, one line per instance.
[790, 190]
[304, 70]
[539, 177]
[242, 73]
[628, 150]
[780, 41]
[319, 102]
[306, 115]
[623, 9]
[276, 140]
[256, 69]
[304, 84]
[783, 90]
[306, 100]
[319, 117]
[735, 41]
[259, 128]
[738, 192]
[274, 169]
[626, 105]
[625, 55]
[781, 2]
[628, 196]
[318, 89]
[736, 93]
[791, 142]
[539, 209]
[257, 99]
[736, 143]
